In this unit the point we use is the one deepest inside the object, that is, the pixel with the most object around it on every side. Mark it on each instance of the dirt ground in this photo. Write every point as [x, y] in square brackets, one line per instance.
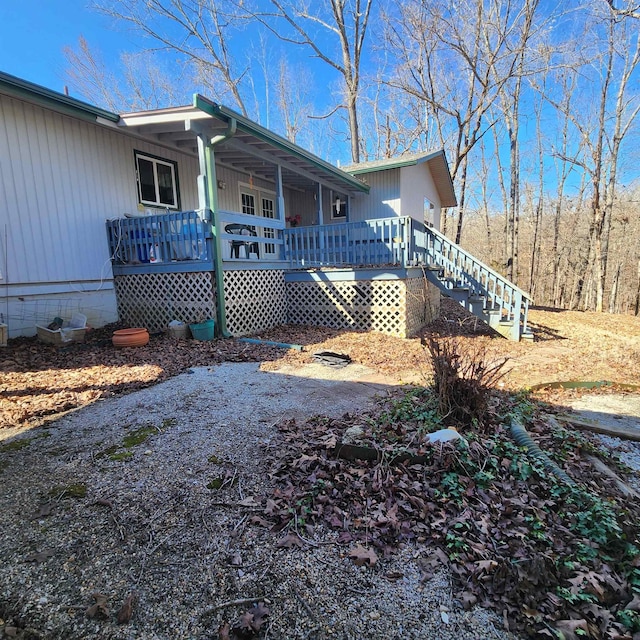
[194, 539]
[39, 381]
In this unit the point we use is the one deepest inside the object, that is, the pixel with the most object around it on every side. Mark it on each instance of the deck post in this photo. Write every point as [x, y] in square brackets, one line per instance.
[206, 159]
[280, 207]
[208, 172]
[320, 223]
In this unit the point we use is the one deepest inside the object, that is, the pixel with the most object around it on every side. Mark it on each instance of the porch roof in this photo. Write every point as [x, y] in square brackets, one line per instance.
[252, 149]
[436, 161]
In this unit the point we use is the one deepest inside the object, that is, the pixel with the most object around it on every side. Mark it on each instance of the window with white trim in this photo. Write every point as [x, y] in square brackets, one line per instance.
[248, 203]
[157, 181]
[268, 211]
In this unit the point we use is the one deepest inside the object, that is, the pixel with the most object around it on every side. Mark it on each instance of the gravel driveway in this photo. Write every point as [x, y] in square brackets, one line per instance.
[156, 494]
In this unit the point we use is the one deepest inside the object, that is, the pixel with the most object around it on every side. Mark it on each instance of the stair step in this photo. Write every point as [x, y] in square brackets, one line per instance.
[527, 336]
[475, 305]
[460, 294]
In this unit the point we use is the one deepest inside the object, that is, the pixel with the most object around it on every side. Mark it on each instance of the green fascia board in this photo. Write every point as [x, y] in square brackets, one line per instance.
[396, 163]
[19, 88]
[253, 128]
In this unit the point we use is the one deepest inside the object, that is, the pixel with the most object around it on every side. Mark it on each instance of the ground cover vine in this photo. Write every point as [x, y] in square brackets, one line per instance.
[562, 560]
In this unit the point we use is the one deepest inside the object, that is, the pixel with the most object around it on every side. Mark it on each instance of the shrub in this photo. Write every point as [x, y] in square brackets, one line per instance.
[462, 379]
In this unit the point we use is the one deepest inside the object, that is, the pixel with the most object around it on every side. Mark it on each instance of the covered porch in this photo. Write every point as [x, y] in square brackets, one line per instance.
[363, 276]
[266, 209]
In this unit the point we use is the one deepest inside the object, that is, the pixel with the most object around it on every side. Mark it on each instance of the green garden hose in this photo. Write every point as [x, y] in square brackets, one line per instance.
[523, 439]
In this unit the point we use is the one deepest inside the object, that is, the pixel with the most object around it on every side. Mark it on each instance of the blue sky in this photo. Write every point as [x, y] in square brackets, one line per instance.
[33, 34]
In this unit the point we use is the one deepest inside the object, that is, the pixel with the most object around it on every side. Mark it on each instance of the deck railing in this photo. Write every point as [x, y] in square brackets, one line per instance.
[462, 270]
[263, 234]
[370, 242]
[164, 238]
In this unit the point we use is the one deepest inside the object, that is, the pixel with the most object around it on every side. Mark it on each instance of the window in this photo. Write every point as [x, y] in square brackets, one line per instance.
[157, 181]
[248, 204]
[339, 209]
[428, 212]
[269, 212]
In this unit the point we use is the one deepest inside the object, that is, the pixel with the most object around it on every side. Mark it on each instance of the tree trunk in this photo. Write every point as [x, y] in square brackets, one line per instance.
[637, 308]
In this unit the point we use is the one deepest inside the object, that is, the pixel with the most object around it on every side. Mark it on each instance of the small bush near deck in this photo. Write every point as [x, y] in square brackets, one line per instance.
[462, 379]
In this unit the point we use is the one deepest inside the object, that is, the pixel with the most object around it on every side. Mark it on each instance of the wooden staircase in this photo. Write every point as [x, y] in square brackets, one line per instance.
[477, 287]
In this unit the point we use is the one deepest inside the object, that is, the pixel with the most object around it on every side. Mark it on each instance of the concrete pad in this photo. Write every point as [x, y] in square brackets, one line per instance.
[616, 410]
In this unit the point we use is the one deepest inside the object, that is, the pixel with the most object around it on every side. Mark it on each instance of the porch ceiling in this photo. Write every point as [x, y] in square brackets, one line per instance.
[252, 149]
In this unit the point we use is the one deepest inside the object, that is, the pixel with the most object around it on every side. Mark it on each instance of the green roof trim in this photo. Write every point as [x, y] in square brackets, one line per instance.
[248, 126]
[392, 163]
[32, 92]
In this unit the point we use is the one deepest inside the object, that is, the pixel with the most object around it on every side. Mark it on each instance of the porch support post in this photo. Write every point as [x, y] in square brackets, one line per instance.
[281, 213]
[320, 230]
[319, 204]
[210, 173]
[208, 194]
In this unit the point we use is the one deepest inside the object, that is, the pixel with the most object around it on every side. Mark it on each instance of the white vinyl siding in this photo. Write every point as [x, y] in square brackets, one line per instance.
[61, 179]
[383, 200]
[416, 185]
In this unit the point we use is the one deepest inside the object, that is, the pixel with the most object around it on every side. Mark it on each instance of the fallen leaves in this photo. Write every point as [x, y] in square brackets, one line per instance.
[100, 609]
[480, 504]
[126, 610]
[362, 556]
[289, 541]
[247, 625]
[40, 556]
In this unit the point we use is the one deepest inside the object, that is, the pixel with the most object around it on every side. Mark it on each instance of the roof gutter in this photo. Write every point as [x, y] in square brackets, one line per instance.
[223, 113]
[25, 90]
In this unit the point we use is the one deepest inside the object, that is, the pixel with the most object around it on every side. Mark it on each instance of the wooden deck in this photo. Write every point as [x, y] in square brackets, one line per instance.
[185, 243]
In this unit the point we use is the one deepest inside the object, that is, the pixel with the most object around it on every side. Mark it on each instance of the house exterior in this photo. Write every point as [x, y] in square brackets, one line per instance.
[196, 212]
[417, 185]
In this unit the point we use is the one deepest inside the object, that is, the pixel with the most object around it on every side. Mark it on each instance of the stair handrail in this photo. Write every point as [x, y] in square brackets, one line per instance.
[493, 272]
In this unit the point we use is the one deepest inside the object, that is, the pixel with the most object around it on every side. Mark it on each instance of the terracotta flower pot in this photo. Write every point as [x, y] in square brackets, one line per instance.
[130, 337]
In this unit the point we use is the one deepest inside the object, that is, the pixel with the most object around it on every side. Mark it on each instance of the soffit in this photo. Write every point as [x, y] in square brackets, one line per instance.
[251, 150]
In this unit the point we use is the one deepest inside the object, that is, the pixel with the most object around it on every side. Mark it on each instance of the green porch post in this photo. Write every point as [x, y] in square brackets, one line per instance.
[208, 194]
[210, 177]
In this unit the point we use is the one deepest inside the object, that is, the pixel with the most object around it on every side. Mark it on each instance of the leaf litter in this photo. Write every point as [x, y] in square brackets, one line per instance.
[595, 600]
[554, 559]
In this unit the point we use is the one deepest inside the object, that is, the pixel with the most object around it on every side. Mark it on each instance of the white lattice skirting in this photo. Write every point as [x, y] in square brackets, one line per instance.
[152, 300]
[259, 300]
[396, 307]
[256, 300]
[423, 304]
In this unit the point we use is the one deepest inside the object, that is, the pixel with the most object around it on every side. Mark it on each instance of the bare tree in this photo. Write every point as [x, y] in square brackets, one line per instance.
[631, 10]
[539, 204]
[459, 61]
[199, 31]
[139, 83]
[293, 99]
[510, 96]
[88, 75]
[613, 122]
[345, 22]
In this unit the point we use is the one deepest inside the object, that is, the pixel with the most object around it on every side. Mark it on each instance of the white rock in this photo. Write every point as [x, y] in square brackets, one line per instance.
[444, 435]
